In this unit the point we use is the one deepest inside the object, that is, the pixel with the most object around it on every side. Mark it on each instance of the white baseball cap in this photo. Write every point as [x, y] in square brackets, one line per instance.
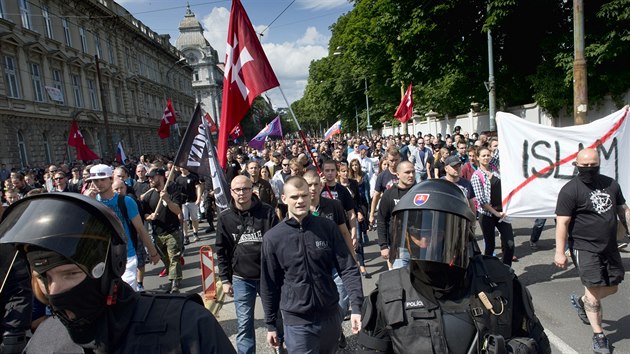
[99, 172]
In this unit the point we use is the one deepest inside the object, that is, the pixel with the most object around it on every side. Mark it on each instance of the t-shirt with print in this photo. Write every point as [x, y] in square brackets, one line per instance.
[385, 181]
[132, 212]
[341, 194]
[331, 209]
[593, 211]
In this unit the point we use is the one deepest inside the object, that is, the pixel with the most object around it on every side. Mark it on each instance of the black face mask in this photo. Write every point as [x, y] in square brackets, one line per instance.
[87, 303]
[588, 174]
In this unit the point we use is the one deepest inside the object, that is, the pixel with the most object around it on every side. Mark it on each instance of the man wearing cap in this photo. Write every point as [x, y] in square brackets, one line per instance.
[366, 163]
[453, 168]
[101, 189]
[77, 249]
[161, 205]
[274, 163]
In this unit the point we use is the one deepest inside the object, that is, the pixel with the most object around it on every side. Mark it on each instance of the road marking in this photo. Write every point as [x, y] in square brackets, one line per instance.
[563, 347]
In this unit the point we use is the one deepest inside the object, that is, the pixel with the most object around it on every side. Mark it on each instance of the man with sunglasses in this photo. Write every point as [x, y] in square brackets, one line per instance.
[240, 230]
[60, 181]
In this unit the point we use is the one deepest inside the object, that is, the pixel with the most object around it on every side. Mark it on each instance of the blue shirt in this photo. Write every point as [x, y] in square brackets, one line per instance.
[132, 211]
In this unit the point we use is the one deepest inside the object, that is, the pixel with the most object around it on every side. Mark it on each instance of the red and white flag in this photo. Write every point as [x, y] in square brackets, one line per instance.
[168, 119]
[211, 124]
[75, 138]
[247, 74]
[405, 109]
[236, 133]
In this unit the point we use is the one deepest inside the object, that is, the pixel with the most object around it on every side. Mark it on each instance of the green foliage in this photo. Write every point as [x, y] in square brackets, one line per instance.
[441, 47]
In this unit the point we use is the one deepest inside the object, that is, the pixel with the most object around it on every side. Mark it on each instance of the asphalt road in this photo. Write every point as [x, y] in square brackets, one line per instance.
[549, 286]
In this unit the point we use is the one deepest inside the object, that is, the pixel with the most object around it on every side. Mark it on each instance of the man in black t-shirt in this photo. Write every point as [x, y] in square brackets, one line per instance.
[587, 211]
[385, 180]
[192, 191]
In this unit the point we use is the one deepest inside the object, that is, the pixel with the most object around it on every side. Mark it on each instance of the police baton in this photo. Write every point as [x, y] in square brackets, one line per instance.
[6, 276]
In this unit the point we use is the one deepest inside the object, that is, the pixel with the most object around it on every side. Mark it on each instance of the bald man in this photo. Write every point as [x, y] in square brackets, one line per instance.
[240, 230]
[587, 210]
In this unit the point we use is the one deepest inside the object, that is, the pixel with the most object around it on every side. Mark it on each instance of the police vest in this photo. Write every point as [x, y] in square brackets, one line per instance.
[415, 324]
[155, 326]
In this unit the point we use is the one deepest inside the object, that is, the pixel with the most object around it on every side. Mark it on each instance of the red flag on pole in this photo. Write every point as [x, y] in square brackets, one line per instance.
[75, 138]
[168, 119]
[237, 132]
[405, 109]
[247, 74]
[211, 123]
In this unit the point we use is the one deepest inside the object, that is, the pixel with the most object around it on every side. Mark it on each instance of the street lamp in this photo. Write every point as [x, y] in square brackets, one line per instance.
[339, 51]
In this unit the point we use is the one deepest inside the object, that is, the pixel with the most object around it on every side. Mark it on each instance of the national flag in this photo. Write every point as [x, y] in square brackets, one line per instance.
[247, 74]
[335, 129]
[211, 123]
[274, 128]
[197, 154]
[405, 109]
[168, 119]
[236, 133]
[120, 153]
[75, 138]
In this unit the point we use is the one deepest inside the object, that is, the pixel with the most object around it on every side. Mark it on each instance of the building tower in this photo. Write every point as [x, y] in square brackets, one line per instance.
[207, 78]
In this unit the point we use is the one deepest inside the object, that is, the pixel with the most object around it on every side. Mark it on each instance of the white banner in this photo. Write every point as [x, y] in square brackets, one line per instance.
[537, 160]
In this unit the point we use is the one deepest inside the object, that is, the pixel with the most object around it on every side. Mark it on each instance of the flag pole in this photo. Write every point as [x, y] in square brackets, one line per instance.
[301, 133]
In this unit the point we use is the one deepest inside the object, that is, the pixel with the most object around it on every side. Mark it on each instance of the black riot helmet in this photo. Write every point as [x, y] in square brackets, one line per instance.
[79, 229]
[431, 222]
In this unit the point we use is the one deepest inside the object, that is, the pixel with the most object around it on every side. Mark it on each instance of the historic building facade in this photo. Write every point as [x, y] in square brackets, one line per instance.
[48, 52]
[207, 78]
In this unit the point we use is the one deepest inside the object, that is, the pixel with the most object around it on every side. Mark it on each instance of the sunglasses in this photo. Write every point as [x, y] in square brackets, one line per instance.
[58, 178]
[99, 174]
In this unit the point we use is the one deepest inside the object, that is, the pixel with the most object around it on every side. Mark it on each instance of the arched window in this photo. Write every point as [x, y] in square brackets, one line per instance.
[22, 149]
[47, 153]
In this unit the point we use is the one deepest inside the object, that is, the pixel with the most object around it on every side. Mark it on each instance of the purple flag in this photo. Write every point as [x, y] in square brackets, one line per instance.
[274, 128]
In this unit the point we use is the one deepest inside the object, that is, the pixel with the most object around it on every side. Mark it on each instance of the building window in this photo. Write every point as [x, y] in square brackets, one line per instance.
[36, 78]
[110, 49]
[25, 14]
[66, 31]
[47, 149]
[117, 100]
[97, 44]
[47, 22]
[128, 58]
[92, 93]
[196, 75]
[57, 79]
[22, 149]
[83, 36]
[10, 75]
[76, 88]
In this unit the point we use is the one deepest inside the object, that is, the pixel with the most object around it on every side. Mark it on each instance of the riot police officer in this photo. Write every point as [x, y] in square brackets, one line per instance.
[76, 248]
[449, 299]
[16, 301]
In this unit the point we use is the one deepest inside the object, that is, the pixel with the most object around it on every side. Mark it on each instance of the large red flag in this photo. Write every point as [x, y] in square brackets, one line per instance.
[236, 133]
[75, 138]
[247, 74]
[168, 119]
[405, 109]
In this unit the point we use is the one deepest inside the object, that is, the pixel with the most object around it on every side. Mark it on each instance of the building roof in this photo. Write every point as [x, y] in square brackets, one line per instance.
[190, 32]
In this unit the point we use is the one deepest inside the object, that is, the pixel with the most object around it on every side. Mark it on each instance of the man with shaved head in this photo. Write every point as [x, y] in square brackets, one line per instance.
[240, 230]
[587, 210]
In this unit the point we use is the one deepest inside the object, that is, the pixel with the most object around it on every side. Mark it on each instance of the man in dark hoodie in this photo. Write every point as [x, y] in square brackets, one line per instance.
[406, 179]
[240, 230]
[299, 256]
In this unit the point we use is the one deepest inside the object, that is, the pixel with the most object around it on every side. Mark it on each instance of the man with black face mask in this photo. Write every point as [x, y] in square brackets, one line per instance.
[449, 299]
[76, 249]
[587, 210]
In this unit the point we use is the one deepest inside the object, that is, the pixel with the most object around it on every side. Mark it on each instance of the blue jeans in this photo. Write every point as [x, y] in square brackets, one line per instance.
[402, 260]
[245, 291]
[319, 337]
[344, 298]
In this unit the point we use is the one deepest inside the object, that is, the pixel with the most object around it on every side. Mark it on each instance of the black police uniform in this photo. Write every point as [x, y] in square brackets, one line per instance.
[16, 301]
[436, 305]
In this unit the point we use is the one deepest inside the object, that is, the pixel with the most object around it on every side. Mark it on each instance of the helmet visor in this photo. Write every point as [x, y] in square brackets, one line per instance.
[65, 228]
[430, 235]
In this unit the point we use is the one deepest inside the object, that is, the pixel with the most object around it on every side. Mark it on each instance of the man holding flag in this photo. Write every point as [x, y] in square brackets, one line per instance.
[333, 130]
[247, 74]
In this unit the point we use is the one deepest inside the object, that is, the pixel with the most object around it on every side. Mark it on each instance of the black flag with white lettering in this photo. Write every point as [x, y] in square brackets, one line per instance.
[197, 153]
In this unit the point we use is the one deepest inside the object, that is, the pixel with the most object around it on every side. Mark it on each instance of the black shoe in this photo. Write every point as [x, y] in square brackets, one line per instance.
[578, 305]
[210, 229]
[366, 275]
[186, 241]
[533, 245]
[600, 344]
[344, 343]
[175, 287]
